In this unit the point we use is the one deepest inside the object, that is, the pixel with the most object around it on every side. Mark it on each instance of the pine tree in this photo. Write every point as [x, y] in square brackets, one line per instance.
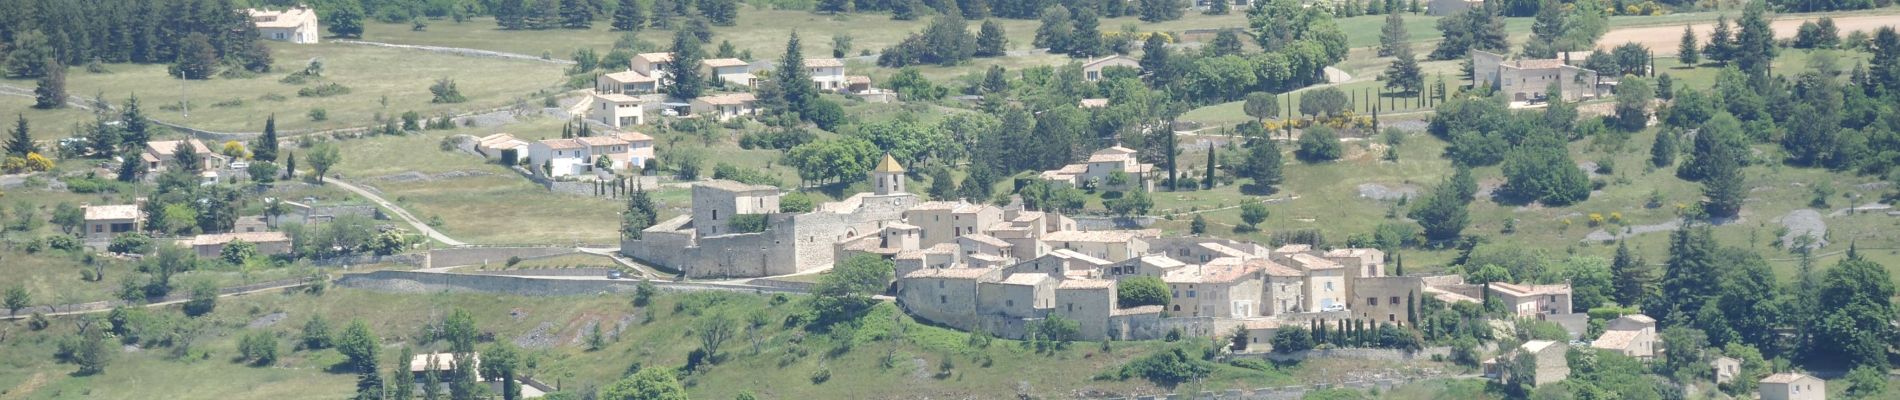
[795, 88]
[1160, 10]
[1546, 30]
[137, 129]
[991, 41]
[196, 58]
[512, 14]
[687, 83]
[1404, 75]
[404, 386]
[21, 143]
[1662, 153]
[662, 15]
[1086, 42]
[1634, 279]
[628, 16]
[1056, 29]
[1687, 52]
[1264, 164]
[51, 91]
[1755, 42]
[576, 14]
[1392, 36]
[720, 12]
[1721, 47]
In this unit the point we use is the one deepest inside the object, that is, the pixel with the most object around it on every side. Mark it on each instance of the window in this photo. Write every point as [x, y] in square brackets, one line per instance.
[1177, 307]
[941, 299]
[1190, 294]
[1392, 317]
[1372, 301]
[939, 284]
[1329, 286]
[1395, 300]
[1072, 307]
[1009, 303]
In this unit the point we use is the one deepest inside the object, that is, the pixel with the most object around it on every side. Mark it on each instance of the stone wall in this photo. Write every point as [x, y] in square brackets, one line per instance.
[1087, 223]
[791, 243]
[426, 282]
[491, 255]
[415, 260]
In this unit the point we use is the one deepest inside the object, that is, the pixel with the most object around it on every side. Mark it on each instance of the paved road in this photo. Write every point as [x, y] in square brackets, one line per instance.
[399, 212]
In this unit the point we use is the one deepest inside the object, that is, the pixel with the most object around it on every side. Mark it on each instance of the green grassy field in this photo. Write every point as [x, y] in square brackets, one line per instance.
[769, 360]
[373, 74]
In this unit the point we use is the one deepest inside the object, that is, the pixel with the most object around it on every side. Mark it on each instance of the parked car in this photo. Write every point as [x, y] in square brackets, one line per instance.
[614, 274]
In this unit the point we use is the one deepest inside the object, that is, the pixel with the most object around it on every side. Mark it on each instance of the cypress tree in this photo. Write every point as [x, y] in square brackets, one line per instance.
[290, 165]
[1213, 156]
[265, 148]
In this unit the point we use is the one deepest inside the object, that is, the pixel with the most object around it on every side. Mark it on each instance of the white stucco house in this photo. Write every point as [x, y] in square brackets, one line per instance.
[828, 74]
[617, 110]
[296, 25]
[582, 155]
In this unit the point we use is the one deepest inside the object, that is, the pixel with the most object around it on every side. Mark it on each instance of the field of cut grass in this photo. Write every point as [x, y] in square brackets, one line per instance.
[374, 75]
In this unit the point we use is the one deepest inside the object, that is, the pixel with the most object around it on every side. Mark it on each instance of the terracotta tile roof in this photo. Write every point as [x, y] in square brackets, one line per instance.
[1293, 248]
[1311, 262]
[1136, 310]
[949, 273]
[1117, 59]
[1086, 284]
[170, 147]
[1092, 103]
[985, 239]
[122, 211]
[823, 63]
[728, 99]
[901, 226]
[1188, 274]
[1274, 269]
[1228, 272]
[290, 18]
[1530, 290]
[248, 237]
[598, 141]
[1353, 252]
[1539, 64]
[659, 57]
[562, 144]
[633, 137]
[1639, 318]
[1537, 345]
[1449, 296]
[940, 248]
[936, 206]
[1615, 340]
[722, 62]
[1116, 236]
[617, 98]
[734, 186]
[858, 80]
[630, 77]
[1785, 377]
[1026, 279]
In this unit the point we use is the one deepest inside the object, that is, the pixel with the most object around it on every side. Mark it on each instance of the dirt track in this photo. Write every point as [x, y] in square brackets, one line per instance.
[1667, 39]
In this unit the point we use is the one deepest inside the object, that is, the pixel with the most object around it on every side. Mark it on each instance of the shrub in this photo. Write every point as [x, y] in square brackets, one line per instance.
[319, 115]
[821, 375]
[324, 90]
[445, 92]
[260, 347]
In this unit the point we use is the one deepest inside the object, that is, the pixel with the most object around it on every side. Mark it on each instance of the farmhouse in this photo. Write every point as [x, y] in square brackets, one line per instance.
[827, 73]
[1093, 69]
[724, 107]
[1115, 168]
[502, 146]
[1793, 386]
[1530, 80]
[212, 245]
[1531, 300]
[589, 154]
[626, 82]
[163, 154]
[618, 110]
[296, 25]
[1548, 358]
[104, 222]
[732, 71]
[1631, 335]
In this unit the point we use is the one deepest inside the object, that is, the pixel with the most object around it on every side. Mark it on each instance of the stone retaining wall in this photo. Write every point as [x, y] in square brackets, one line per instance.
[427, 282]
[491, 255]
